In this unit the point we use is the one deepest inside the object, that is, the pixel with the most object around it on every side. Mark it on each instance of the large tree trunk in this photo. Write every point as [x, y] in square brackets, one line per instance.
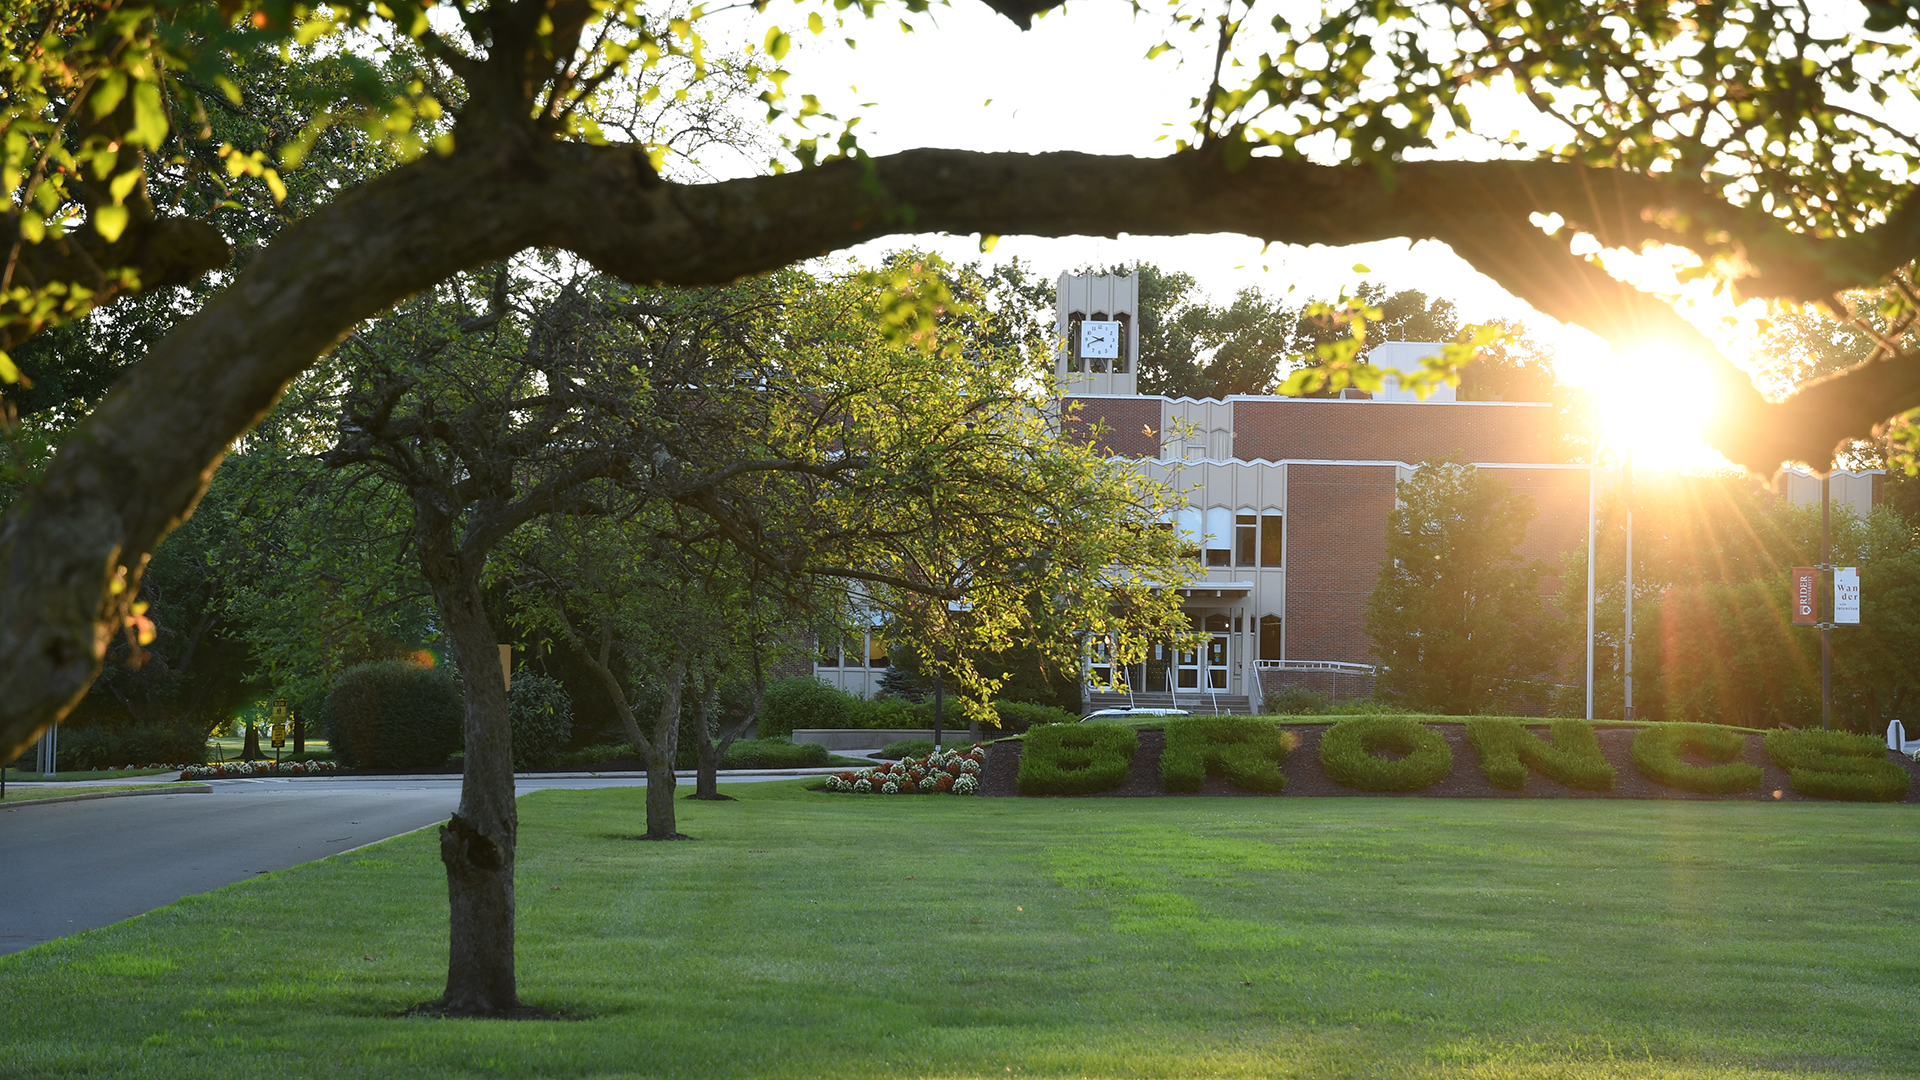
[707, 752]
[477, 843]
[665, 741]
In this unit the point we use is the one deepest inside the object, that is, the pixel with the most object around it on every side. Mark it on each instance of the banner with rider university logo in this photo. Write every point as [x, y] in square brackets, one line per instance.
[1806, 611]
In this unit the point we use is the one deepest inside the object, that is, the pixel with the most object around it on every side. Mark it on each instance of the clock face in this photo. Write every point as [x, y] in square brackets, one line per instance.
[1100, 340]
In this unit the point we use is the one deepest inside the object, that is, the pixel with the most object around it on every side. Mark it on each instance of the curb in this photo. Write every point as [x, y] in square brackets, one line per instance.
[183, 788]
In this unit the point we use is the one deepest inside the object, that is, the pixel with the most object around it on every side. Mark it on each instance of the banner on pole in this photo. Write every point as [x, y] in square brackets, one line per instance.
[1846, 595]
[1805, 610]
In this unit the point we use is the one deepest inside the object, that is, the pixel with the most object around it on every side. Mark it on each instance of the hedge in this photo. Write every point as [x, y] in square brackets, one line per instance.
[1657, 750]
[803, 702]
[906, 748]
[1507, 749]
[1075, 759]
[1347, 753]
[774, 754]
[104, 746]
[1836, 765]
[395, 714]
[1018, 716]
[542, 717]
[1246, 751]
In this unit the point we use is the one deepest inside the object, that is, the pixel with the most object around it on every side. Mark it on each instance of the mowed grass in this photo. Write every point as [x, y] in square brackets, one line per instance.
[806, 934]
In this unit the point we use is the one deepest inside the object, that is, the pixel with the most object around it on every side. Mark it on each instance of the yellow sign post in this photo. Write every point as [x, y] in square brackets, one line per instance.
[280, 725]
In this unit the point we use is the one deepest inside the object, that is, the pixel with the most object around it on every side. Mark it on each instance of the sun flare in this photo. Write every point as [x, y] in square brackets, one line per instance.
[1654, 403]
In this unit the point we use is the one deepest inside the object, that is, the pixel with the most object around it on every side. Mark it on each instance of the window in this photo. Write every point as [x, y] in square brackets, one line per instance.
[1126, 325]
[1188, 524]
[1074, 319]
[1246, 539]
[876, 652]
[1219, 536]
[1272, 541]
[1270, 637]
[829, 653]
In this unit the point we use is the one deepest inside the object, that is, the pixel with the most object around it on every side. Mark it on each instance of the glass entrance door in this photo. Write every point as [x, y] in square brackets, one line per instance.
[1186, 669]
[1217, 646]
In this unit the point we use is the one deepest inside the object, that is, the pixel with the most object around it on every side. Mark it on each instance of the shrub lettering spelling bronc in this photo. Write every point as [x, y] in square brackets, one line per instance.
[1075, 759]
[1657, 750]
[1347, 753]
[1836, 765]
[395, 715]
[1507, 750]
[1247, 752]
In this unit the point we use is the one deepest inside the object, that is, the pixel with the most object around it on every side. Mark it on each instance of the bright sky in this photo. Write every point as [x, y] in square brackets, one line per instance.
[1079, 80]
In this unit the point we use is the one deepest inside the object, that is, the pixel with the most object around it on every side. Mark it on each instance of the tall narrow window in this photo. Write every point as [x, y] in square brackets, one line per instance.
[829, 651]
[1246, 539]
[876, 652]
[1219, 537]
[1074, 319]
[1270, 637]
[1272, 541]
[1126, 327]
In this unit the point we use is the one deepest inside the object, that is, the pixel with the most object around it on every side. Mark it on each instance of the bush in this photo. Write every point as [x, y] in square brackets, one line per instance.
[804, 702]
[1836, 765]
[1507, 749]
[395, 714]
[774, 754]
[542, 717]
[593, 755]
[1244, 750]
[1018, 716]
[102, 746]
[1657, 750]
[949, 773]
[893, 714]
[1296, 701]
[905, 748]
[1347, 753]
[1077, 759]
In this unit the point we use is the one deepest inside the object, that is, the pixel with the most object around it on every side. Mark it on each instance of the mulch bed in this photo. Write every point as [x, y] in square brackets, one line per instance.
[1305, 777]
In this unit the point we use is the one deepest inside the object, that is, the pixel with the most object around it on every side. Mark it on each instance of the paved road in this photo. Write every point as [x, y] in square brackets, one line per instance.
[73, 866]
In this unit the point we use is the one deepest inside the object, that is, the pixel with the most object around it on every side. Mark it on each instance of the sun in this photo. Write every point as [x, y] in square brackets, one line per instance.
[1654, 403]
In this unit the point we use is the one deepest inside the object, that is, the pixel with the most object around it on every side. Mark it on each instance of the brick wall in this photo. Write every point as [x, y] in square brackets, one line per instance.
[1133, 424]
[1381, 431]
[1336, 539]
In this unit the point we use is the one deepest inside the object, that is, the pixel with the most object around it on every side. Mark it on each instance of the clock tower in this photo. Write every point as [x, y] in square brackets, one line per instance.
[1097, 316]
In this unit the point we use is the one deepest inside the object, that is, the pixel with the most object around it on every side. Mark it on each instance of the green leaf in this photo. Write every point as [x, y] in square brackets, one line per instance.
[149, 117]
[108, 92]
[9, 371]
[816, 24]
[778, 43]
[110, 222]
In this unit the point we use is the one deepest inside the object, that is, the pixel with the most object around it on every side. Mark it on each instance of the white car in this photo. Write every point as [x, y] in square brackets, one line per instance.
[1130, 711]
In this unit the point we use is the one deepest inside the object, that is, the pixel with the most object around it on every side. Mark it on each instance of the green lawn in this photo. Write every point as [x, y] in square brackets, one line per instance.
[817, 935]
[64, 777]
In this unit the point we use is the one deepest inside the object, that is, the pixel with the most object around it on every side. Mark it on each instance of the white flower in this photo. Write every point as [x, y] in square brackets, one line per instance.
[966, 785]
[889, 788]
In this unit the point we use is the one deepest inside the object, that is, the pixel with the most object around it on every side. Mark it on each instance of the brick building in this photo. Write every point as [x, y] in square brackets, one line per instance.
[1287, 499]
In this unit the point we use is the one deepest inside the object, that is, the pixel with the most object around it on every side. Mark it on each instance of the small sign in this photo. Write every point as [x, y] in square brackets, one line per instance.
[1846, 595]
[279, 734]
[1805, 608]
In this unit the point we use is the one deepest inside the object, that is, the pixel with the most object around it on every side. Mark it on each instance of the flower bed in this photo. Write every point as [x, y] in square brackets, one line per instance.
[948, 773]
[255, 768]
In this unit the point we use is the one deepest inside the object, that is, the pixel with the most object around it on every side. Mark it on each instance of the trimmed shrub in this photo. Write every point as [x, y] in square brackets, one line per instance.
[102, 746]
[1075, 759]
[1018, 716]
[905, 748]
[1657, 750]
[1507, 749]
[395, 714]
[1244, 750]
[542, 717]
[1347, 753]
[804, 702]
[774, 754]
[892, 714]
[1296, 701]
[1837, 765]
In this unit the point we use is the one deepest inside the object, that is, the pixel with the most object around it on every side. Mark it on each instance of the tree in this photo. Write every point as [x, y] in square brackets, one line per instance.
[1456, 618]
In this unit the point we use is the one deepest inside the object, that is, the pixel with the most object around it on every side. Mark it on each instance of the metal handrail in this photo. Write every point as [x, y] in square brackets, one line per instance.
[1315, 665]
